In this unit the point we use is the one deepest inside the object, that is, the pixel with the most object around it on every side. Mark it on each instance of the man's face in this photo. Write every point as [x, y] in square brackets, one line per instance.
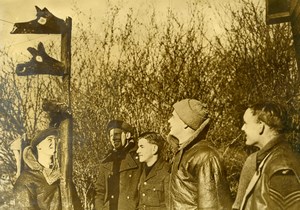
[145, 150]
[252, 128]
[117, 138]
[48, 145]
[176, 125]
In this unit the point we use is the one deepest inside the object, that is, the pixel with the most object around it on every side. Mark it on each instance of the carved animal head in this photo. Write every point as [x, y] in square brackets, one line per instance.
[45, 23]
[40, 63]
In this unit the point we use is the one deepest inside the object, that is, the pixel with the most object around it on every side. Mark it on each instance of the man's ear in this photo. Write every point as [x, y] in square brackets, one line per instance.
[154, 149]
[128, 135]
[261, 128]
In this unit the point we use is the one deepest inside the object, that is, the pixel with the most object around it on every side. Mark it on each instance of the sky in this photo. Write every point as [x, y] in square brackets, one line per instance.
[12, 11]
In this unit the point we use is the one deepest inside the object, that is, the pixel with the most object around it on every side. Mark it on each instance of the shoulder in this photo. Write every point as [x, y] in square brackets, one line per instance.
[283, 158]
[203, 150]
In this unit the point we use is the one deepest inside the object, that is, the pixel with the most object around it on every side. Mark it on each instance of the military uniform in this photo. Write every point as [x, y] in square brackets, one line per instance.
[154, 187]
[117, 183]
[276, 184]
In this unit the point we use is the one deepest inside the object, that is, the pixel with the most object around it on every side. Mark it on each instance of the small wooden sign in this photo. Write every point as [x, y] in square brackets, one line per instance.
[277, 11]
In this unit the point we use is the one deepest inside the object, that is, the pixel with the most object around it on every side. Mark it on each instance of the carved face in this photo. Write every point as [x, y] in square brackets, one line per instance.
[48, 145]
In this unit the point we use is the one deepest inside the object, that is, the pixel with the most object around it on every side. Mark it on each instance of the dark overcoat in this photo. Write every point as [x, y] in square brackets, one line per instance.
[129, 175]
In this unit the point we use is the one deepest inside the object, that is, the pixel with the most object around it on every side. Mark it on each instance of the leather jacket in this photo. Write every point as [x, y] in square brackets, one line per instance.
[278, 186]
[198, 179]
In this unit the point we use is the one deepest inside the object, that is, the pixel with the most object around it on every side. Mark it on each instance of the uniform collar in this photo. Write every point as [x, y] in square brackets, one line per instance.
[158, 165]
[261, 154]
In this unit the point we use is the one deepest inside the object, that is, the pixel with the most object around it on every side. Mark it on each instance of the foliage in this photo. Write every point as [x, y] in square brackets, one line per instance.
[137, 70]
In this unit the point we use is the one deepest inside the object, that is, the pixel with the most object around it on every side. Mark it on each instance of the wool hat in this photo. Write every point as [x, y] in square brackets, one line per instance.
[42, 135]
[119, 124]
[192, 112]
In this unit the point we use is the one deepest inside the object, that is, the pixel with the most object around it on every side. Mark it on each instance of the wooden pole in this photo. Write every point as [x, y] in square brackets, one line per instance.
[66, 126]
[295, 25]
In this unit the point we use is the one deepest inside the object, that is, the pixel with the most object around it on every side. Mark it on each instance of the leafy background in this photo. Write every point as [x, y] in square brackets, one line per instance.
[136, 70]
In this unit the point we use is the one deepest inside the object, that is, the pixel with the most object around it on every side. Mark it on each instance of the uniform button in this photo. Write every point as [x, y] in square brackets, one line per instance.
[145, 183]
[112, 196]
[154, 189]
[127, 197]
[130, 175]
[143, 194]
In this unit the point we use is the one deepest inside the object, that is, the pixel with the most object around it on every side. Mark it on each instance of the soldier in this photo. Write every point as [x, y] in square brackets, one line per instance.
[198, 179]
[275, 183]
[117, 183]
[154, 182]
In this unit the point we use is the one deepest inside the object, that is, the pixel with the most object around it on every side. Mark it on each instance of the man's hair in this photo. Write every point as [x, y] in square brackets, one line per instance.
[271, 113]
[153, 138]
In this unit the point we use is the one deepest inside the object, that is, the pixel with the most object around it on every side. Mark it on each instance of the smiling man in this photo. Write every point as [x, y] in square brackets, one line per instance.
[275, 180]
[117, 183]
[198, 180]
[154, 182]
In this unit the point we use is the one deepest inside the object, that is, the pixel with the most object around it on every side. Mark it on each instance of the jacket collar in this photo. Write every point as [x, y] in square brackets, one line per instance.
[261, 154]
[51, 175]
[128, 161]
[189, 143]
[193, 139]
[155, 170]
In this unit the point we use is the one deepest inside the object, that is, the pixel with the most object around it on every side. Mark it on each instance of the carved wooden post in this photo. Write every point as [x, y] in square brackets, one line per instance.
[41, 63]
[66, 126]
[280, 11]
[295, 24]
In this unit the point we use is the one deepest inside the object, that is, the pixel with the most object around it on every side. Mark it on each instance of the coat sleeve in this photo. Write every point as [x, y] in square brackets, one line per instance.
[213, 189]
[24, 195]
[100, 190]
[166, 190]
[284, 190]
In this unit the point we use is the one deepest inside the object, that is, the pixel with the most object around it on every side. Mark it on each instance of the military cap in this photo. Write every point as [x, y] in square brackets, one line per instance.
[119, 124]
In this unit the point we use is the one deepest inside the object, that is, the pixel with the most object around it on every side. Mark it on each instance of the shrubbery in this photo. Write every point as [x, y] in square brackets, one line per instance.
[137, 70]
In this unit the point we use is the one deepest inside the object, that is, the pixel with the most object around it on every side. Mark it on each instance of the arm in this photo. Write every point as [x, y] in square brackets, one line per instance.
[100, 190]
[284, 189]
[213, 189]
[166, 190]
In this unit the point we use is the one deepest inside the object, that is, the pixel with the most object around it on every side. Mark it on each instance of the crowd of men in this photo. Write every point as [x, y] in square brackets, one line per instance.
[134, 175]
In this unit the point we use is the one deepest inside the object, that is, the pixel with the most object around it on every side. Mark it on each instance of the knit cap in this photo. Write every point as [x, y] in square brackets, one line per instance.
[192, 112]
[42, 135]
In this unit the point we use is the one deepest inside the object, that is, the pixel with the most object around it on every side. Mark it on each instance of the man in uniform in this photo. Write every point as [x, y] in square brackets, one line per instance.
[275, 184]
[117, 183]
[154, 182]
[198, 178]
